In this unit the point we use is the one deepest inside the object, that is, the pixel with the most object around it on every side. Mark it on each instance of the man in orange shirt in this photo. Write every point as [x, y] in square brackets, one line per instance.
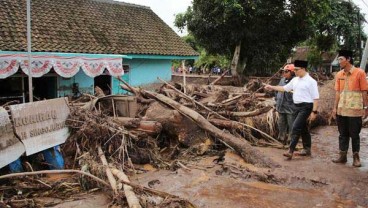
[350, 106]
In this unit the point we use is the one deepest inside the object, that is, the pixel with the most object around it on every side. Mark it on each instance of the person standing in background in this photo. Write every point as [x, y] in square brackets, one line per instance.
[350, 106]
[285, 106]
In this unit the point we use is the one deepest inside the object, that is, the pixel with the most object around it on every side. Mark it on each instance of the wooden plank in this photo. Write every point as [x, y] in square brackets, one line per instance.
[41, 125]
[10, 146]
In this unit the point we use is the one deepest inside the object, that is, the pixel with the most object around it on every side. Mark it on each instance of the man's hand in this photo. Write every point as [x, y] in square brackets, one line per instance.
[312, 117]
[366, 114]
[333, 113]
[268, 87]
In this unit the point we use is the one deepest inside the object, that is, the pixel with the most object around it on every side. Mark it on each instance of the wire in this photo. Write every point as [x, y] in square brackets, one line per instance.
[365, 3]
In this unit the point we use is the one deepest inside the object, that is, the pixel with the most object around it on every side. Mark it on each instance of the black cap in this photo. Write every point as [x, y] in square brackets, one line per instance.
[346, 53]
[300, 63]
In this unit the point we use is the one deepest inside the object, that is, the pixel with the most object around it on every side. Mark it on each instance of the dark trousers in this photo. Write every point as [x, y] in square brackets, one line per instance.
[300, 126]
[349, 127]
[285, 124]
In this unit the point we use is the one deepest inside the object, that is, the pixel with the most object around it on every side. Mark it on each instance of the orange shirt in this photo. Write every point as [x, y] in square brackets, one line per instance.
[351, 85]
[357, 80]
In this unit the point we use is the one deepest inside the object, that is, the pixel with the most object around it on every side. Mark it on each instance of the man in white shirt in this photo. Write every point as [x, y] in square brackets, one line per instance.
[305, 97]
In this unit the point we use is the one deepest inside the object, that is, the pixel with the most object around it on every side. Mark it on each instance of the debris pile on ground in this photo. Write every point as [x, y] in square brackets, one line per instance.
[164, 128]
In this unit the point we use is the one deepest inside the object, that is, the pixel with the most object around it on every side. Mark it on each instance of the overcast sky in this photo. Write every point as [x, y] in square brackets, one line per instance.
[167, 9]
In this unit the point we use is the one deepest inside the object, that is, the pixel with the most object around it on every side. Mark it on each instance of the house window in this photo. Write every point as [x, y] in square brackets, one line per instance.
[126, 68]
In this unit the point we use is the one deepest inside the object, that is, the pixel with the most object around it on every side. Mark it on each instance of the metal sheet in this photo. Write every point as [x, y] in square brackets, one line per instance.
[41, 125]
[10, 146]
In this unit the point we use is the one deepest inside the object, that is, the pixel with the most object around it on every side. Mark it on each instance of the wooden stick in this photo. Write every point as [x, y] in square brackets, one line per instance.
[247, 114]
[191, 99]
[131, 88]
[54, 172]
[107, 169]
[218, 79]
[132, 199]
[231, 99]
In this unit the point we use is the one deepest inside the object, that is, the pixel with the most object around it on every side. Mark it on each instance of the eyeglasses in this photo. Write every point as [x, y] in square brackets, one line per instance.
[285, 71]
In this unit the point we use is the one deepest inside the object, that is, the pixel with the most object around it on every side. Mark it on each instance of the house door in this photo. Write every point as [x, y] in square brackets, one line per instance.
[103, 82]
[44, 87]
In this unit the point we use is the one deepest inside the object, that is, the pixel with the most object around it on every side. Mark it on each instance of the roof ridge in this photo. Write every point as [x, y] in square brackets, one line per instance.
[123, 3]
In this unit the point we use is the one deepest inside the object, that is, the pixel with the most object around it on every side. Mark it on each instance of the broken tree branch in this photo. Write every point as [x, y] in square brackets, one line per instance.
[248, 153]
[12, 175]
[131, 89]
[107, 169]
[190, 98]
[151, 191]
[213, 112]
[132, 199]
[219, 78]
[247, 114]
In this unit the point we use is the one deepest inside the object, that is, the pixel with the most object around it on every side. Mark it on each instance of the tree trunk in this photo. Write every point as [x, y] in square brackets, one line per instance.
[247, 152]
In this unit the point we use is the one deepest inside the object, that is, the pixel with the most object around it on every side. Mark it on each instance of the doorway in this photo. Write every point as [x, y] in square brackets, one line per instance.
[103, 82]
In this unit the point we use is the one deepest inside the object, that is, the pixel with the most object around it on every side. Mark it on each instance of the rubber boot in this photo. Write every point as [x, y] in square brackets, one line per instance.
[305, 152]
[342, 158]
[288, 155]
[356, 160]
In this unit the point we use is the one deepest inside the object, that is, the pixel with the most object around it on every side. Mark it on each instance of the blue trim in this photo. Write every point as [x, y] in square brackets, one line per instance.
[133, 56]
[87, 55]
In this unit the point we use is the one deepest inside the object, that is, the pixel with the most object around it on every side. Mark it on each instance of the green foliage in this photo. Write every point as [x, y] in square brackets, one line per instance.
[269, 29]
[205, 59]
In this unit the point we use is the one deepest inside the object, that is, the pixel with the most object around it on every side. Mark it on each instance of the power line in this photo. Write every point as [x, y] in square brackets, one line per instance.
[365, 3]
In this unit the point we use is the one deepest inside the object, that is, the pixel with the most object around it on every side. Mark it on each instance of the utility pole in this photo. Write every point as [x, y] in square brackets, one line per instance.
[363, 61]
[359, 37]
[29, 49]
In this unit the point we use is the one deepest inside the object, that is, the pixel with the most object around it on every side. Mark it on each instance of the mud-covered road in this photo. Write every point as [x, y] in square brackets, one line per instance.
[302, 182]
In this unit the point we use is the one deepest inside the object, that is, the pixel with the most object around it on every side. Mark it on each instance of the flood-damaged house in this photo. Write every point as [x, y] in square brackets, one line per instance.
[80, 44]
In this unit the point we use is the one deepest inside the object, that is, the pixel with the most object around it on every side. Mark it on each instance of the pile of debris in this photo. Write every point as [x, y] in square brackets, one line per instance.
[159, 128]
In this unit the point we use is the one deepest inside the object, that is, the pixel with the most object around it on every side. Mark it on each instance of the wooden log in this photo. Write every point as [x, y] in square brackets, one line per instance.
[109, 175]
[226, 123]
[132, 199]
[153, 191]
[137, 124]
[127, 121]
[247, 114]
[208, 109]
[200, 94]
[246, 151]
[219, 78]
[191, 99]
[130, 89]
[144, 101]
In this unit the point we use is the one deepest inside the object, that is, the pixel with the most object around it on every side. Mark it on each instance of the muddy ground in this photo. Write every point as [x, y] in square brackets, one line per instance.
[303, 182]
[229, 182]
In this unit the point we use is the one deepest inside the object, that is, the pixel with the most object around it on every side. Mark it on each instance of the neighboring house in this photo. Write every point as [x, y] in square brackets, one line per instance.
[329, 60]
[79, 44]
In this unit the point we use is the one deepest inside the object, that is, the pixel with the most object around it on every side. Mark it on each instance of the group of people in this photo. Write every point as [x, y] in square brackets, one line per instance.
[297, 104]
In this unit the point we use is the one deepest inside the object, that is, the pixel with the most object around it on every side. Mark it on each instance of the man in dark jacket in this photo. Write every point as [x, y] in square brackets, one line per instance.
[285, 105]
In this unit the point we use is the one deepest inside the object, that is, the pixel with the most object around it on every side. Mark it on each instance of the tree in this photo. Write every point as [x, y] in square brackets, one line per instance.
[337, 26]
[267, 29]
[205, 59]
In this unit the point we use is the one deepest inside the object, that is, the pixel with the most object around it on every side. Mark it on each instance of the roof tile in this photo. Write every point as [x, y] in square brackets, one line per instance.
[88, 26]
